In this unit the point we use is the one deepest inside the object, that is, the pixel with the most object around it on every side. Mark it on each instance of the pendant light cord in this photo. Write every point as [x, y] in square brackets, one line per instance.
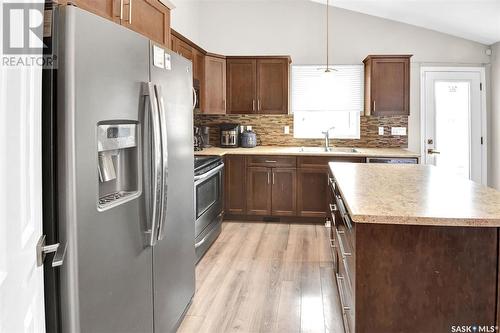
[327, 36]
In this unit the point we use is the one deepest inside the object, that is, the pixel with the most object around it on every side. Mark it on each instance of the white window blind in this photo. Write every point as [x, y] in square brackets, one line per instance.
[321, 100]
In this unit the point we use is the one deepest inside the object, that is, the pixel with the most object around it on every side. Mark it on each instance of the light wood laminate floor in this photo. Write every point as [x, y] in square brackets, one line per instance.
[266, 277]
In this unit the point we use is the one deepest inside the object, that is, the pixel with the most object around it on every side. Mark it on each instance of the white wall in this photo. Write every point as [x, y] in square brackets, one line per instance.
[495, 118]
[297, 28]
[185, 19]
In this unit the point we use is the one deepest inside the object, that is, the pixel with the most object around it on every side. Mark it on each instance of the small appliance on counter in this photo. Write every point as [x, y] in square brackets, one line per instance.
[205, 135]
[198, 139]
[229, 135]
[248, 138]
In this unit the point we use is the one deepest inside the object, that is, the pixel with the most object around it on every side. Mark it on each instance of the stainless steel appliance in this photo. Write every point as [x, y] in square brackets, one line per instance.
[229, 135]
[392, 160]
[124, 178]
[208, 192]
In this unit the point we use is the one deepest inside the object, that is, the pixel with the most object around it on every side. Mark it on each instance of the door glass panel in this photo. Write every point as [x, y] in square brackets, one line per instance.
[207, 194]
[452, 100]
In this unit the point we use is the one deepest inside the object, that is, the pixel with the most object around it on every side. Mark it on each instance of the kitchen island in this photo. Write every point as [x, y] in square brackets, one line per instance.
[415, 249]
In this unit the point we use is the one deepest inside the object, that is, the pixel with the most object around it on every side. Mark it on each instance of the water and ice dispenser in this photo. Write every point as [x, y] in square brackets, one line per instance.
[118, 163]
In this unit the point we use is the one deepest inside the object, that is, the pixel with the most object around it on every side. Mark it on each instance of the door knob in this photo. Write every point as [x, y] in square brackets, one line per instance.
[432, 151]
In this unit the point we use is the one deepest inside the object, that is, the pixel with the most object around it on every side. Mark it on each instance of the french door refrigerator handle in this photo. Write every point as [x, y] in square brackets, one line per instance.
[163, 130]
[195, 98]
[156, 162]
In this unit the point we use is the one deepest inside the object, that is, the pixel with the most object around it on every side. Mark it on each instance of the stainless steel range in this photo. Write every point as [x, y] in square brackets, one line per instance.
[208, 194]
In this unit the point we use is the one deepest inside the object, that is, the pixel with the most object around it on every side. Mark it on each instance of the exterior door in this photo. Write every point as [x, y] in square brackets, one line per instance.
[21, 280]
[259, 191]
[272, 86]
[284, 184]
[454, 121]
[241, 83]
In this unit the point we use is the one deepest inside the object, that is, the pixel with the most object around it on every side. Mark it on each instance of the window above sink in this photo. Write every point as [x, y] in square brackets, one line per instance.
[321, 100]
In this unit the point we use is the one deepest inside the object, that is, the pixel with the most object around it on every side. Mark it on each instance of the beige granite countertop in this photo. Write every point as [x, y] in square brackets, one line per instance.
[415, 195]
[309, 151]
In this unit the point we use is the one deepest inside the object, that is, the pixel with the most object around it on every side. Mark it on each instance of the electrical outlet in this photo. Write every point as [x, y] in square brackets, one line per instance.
[381, 130]
[286, 129]
[398, 131]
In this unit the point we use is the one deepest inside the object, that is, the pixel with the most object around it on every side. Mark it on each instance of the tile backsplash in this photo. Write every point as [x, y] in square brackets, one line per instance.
[269, 129]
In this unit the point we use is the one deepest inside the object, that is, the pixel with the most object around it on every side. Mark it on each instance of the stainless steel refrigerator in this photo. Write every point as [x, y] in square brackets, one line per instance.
[124, 178]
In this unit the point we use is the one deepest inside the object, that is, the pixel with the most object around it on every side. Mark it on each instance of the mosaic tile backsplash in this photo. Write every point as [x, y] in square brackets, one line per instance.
[269, 130]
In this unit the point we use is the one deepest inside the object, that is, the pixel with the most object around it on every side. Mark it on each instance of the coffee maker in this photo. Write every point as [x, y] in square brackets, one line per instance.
[229, 135]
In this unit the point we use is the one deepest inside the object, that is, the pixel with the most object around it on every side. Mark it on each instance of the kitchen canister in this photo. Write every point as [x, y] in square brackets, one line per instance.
[248, 139]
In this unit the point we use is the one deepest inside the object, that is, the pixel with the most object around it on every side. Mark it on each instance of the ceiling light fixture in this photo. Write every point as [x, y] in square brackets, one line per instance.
[328, 69]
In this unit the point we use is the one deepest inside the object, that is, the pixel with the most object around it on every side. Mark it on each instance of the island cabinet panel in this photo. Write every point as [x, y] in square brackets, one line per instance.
[235, 185]
[424, 278]
[387, 85]
[284, 186]
[241, 86]
[259, 191]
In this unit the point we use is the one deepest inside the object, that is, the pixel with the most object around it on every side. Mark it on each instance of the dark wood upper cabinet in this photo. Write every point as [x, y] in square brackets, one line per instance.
[149, 18]
[272, 86]
[198, 66]
[284, 184]
[214, 90]
[387, 85]
[259, 191]
[241, 85]
[257, 85]
[235, 185]
[109, 9]
[182, 48]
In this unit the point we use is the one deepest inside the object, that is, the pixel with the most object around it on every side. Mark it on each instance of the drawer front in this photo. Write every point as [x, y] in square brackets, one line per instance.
[346, 258]
[346, 301]
[322, 161]
[271, 161]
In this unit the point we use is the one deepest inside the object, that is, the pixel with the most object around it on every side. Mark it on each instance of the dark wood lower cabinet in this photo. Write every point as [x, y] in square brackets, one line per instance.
[235, 185]
[312, 192]
[284, 184]
[287, 186]
[259, 191]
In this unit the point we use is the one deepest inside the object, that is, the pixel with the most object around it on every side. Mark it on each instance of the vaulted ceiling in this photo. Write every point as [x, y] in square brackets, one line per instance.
[477, 20]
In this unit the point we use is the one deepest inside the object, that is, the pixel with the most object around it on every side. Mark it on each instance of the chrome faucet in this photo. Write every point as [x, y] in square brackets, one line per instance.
[327, 138]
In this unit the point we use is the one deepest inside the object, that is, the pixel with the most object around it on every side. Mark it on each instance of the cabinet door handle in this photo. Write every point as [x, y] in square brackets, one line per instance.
[121, 10]
[268, 177]
[374, 105]
[258, 105]
[273, 178]
[253, 104]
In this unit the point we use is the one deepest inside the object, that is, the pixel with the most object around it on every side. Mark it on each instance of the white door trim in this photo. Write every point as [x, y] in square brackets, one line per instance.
[484, 119]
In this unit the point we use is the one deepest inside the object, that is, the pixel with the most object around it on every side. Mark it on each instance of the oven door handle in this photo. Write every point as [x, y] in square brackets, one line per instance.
[208, 174]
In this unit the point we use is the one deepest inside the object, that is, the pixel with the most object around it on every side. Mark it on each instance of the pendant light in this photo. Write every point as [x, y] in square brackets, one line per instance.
[328, 69]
